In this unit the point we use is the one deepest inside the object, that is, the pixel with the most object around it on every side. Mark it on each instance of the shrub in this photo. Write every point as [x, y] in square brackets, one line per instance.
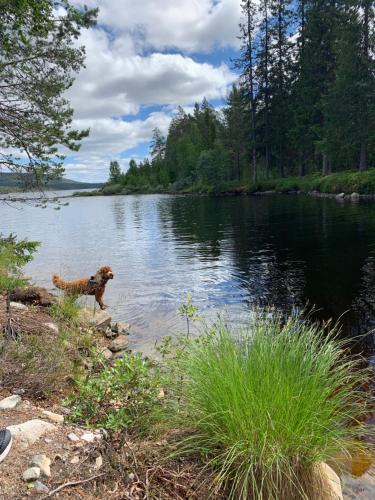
[267, 404]
[121, 396]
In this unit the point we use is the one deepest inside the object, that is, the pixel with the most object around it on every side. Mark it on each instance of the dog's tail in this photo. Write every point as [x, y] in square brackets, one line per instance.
[58, 282]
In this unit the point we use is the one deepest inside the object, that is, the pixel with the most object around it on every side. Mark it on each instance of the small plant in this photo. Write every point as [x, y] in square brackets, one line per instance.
[117, 397]
[65, 309]
[189, 311]
[267, 404]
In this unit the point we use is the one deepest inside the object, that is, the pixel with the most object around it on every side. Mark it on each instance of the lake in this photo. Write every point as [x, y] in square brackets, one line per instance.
[230, 253]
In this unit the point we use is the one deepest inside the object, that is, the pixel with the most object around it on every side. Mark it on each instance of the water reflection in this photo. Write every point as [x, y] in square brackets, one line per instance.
[229, 252]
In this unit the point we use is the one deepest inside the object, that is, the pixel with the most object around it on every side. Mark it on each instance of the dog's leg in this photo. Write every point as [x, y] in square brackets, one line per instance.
[98, 296]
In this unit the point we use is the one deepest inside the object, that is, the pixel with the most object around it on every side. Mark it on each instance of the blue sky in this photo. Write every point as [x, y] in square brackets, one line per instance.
[143, 60]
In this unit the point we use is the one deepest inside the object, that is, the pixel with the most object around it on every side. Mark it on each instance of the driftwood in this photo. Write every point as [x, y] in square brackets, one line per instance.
[33, 295]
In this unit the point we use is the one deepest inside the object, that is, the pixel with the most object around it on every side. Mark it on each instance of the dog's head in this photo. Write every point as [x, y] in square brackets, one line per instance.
[105, 273]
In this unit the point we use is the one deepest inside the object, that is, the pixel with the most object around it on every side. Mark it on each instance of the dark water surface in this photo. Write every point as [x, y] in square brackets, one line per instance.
[229, 252]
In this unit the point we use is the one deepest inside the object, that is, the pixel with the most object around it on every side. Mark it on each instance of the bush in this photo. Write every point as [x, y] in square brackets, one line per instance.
[267, 404]
[111, 189]
[117, 397]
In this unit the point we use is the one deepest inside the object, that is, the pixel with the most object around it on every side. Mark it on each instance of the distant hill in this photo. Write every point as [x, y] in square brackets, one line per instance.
[12, 182]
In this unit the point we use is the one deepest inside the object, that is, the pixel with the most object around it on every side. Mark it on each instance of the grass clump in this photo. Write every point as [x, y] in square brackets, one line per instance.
[122, 396]
[269, 403]
[65, 309]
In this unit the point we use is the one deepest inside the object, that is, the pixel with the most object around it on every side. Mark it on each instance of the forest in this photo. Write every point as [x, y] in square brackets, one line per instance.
[303, 104]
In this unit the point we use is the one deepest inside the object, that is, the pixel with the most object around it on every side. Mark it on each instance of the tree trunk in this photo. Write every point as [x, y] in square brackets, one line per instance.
[327, 166]
[363, 158]
[255, 173]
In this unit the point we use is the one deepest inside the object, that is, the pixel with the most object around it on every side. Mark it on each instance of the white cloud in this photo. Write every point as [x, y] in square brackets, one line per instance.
[123, 75]
[187, 25]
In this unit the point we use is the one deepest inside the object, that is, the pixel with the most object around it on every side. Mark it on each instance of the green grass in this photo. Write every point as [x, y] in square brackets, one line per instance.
[267, 404]
[66, 309]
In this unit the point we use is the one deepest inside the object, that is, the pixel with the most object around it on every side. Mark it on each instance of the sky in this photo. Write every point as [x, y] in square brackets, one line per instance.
[143, 59]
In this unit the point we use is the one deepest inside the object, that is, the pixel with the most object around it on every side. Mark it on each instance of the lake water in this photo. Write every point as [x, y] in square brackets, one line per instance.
[229, 253]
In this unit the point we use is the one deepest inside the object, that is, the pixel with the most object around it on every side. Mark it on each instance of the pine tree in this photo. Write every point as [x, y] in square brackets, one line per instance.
[246, 63]
[263, 79]
[114, 172]
[236, 130]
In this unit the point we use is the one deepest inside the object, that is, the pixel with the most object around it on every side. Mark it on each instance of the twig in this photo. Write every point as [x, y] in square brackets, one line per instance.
[72, 483]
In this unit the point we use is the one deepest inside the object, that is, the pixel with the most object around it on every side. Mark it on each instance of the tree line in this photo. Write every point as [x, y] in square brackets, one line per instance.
[304, 102]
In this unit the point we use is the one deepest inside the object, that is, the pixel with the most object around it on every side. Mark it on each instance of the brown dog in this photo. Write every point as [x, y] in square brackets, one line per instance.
[87, 286]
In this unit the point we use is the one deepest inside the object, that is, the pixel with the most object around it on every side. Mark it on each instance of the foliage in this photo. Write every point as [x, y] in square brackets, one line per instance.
[303, 104]
[121, 396]
[114, 172]
[266, 404]
[65, 309]
[39, 57]
[189, 311]
[14, 254]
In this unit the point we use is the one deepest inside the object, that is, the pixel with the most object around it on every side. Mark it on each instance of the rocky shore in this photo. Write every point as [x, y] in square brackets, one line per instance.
[51, 457]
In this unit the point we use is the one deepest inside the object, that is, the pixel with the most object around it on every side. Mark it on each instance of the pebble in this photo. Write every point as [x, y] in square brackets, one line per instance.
[31, 474]
[106, 353]
[75, 460]
[52, 326]
[10, 402]
[40, 487]
[89, 437]
[54, 417]
[19, 306]
[43, 462]
[73, 437]
[98, 462]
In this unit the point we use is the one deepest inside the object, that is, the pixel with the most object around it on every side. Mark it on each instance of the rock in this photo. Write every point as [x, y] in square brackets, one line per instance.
[18, 391]
[110, 334]
[98, 462]
[19, 306]
[118, 355]
[10, 402]
[43, 462]
[331, 482]
[106, 353]
[73, 437]
[75, 460]
[340, 196]
[119, 344]
[354, 196]
[89, 437]
[100, 320]
[31, 474]
[52, 326]
[31, 430]
[54, 417]
[122, 328]
[40, 487]
[33, 295]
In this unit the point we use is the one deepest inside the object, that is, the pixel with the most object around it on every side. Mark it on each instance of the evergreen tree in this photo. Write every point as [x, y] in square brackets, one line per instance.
[246, 63]
[114, 172]
[263, 77]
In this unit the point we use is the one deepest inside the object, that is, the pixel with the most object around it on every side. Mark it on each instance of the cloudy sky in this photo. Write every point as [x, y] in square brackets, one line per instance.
[144, 58]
